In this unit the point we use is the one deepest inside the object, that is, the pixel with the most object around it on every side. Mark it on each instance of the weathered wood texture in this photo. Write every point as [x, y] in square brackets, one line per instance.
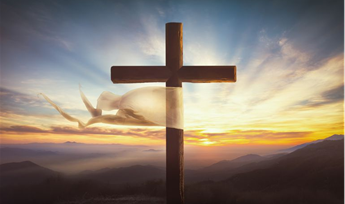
[194, 74]
[174, 46]
[207, 74]
[139, 74]
[174, 137]
[174, 166]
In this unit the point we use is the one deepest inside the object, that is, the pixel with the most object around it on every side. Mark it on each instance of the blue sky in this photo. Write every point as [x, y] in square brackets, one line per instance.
[289, 56]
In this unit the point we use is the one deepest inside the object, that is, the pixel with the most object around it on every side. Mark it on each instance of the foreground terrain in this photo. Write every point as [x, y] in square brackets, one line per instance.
[311, 174]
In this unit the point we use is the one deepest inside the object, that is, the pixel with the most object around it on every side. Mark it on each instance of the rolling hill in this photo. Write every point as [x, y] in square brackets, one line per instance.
[25, 172]
[333, 137]
[231, 164]
[317, 166]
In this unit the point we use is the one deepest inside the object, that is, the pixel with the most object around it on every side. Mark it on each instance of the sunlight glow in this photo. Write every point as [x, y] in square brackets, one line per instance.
[285, 92]
[207, 142]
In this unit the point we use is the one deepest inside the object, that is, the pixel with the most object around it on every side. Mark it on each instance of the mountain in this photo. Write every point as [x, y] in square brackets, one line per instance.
[25, 172]
[318, 167]
[73, 143]
[333, 137]
[225, 169]
[231, 164]
[132, 174]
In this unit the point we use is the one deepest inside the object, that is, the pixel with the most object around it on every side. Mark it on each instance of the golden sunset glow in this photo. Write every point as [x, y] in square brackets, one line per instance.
[206, 141]
[286, 92]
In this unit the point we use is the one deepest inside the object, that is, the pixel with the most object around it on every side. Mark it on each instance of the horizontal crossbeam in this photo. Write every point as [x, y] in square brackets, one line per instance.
[207, 74]
[194, 74]
[139, 74]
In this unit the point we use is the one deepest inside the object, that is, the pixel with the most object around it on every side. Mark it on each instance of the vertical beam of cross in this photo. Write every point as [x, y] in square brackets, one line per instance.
[174, 137]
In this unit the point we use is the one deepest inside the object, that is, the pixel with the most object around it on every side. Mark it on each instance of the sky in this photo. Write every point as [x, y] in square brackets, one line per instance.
[289, 57]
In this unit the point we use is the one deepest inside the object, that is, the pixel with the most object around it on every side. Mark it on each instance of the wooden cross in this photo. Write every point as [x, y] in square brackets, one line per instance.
[174, 73]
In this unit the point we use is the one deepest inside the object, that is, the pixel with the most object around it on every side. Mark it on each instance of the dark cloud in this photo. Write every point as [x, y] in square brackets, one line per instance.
[328, 97]
[22, 129]
[334, 95]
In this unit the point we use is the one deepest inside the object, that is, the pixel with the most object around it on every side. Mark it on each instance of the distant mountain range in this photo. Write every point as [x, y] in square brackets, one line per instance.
[318, 166]
[230, 164]
[333, 137]
[251, 161]
[316, 154]
[73, 157]
[226, 165]
[14, 154]
[247, 163]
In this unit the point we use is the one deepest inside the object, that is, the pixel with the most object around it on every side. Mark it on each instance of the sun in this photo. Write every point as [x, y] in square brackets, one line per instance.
[207, 142]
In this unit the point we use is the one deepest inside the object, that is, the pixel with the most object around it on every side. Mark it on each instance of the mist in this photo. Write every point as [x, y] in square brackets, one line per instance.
[73, 157]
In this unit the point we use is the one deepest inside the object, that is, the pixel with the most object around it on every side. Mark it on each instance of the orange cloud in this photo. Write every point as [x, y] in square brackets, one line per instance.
[194, 137]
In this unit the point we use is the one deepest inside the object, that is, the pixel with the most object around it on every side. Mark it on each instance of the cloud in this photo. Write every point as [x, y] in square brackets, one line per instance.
[266, 95]
[152, 42]
[22, 129]
[134, 132]
[334, 95]
[34, 21]
[273, 88]
[281, 87]
[191, 136]
[253, 135]
[28, 108]
[14, 97]
[17, 102]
